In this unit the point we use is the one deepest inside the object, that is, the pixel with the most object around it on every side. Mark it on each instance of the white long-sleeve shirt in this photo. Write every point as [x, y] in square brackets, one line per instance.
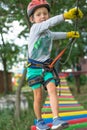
[41, 38]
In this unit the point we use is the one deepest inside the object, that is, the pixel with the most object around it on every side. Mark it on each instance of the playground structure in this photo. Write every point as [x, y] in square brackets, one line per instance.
[69, 109]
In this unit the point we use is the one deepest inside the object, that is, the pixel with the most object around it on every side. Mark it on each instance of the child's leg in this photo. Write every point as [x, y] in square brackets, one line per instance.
[37, 102]
[52, 91]
[57, 122]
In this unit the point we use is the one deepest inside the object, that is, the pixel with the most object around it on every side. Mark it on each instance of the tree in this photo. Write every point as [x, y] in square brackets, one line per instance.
[8, 50]
[8, 55]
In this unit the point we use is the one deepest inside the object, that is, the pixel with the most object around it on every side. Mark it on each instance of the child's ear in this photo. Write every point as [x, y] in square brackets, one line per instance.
[31, 19]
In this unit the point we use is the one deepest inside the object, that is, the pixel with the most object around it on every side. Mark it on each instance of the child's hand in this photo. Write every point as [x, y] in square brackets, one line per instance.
[73, 14]
[73, 34]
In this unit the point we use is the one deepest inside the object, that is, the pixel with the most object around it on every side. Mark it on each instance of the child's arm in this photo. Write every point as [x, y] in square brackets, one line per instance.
[45, 25]
[64, 35]
[58, 35]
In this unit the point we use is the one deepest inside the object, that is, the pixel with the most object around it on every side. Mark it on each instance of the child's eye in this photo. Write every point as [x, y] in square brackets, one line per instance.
[45, 13]
[38, 14]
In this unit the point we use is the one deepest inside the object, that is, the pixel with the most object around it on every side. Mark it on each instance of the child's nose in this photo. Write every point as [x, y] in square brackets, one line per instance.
[42, 15]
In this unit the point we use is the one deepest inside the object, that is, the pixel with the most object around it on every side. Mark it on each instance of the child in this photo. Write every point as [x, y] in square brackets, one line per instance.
[39, 49]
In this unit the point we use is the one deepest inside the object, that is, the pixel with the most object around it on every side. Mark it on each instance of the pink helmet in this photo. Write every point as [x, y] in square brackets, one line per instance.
[35, 4]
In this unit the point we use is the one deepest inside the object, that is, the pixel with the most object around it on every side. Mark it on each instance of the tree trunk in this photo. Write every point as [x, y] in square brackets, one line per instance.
[6, 90]
[4, 60]
[77, 79]
[18, 93]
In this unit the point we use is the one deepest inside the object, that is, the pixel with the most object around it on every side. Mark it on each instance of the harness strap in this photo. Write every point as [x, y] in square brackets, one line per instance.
[36, 64]
[46, 82]
[35, 80]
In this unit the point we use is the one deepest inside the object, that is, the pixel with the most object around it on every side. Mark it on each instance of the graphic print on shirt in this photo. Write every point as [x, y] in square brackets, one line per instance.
[42, 46]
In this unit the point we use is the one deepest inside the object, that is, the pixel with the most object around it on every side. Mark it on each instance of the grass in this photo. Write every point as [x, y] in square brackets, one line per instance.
[8, 121]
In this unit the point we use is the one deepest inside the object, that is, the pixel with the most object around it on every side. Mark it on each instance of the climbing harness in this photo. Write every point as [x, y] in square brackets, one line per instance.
[39, 79]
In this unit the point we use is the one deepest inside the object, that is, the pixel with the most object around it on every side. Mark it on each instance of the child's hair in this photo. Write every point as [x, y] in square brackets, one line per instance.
[35, 4]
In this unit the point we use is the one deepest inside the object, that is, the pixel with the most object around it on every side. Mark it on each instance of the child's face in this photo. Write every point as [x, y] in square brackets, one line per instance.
[40, 15]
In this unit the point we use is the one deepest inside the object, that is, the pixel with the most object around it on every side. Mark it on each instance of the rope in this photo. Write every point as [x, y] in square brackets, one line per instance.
[76, 21]
[73, 39]
[63, 63]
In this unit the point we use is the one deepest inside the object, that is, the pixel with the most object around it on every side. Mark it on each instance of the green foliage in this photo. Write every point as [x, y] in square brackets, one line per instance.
[5, 119]
[70, 79]
[8, 122]
[9, 52]
[83, 79]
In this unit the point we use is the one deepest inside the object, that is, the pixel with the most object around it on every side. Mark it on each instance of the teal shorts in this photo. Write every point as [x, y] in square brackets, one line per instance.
[34, 72]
